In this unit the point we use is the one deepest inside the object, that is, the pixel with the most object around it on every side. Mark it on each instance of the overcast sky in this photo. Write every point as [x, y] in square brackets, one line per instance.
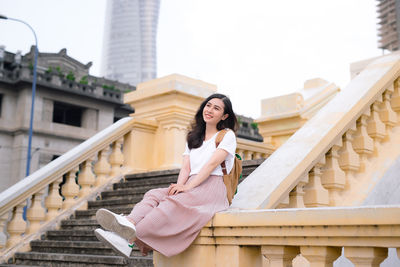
[251, 49]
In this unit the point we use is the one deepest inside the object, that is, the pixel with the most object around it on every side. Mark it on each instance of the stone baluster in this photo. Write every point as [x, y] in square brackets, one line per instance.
[284, 204]
[240, 152]
[376, 128]
[365, 256]
[349, 160]
[53, 201]
[3, 220]
[363, 144]
[296, 196]
[17, 226]
[387, 115]
[315, 195]
[320, 256]
[116, 158]
[248, 155]
[36, 213]
[278, 256]
[395, 100]
[86, 178]
[257, 155]
[102, 167]
[264, 155]
[70, 189]
[333, 177]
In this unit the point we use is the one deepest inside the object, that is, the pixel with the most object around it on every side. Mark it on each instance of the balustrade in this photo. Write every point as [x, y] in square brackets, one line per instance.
[342, 169]
[80, 182]
[295, 237]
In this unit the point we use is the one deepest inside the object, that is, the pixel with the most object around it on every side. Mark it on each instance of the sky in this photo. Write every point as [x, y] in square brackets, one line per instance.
[250, 49]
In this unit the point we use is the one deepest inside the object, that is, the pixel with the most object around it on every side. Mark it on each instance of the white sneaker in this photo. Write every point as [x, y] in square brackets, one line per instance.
[119, 244]
[116, 223]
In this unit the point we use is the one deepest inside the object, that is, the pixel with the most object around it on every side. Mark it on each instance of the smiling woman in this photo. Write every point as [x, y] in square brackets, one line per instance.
[169, 219]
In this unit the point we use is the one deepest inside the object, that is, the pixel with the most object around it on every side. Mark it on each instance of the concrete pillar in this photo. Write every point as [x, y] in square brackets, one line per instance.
[164, 109]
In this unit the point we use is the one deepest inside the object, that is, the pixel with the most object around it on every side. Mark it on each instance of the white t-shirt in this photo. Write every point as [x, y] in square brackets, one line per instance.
[201, 155]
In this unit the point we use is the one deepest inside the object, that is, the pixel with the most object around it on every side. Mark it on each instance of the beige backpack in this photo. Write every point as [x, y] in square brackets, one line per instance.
[231, 180]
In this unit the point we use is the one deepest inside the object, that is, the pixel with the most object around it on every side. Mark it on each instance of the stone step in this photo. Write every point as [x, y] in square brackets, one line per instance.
[153, 182]
[70, 235]
[122, 202]
[115, 194]
[152, 174]
[90, 213]
[75, 260]
[83, 224]
[14, 265]
[76, 247]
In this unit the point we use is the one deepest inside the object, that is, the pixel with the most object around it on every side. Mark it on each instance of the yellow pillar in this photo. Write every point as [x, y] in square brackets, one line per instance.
[164, 109]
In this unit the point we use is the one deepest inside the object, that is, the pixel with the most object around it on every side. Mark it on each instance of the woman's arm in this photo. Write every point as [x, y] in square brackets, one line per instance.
[185, 170]
[216, 159]
[183, 174]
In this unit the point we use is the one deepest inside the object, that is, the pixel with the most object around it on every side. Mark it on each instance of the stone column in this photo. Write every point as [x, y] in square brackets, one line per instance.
[365, 256]
[320, 256]
[164, 109]
[278, 256]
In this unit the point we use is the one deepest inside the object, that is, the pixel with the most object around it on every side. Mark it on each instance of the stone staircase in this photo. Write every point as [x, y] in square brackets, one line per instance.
[75, 244]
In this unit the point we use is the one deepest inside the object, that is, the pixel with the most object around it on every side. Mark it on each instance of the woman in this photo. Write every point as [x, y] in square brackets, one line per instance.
[169, 219]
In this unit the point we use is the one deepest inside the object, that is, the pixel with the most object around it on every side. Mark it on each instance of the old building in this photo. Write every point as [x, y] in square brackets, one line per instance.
[70, 106]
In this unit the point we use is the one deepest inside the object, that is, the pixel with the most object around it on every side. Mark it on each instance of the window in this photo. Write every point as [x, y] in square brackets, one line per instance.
[67, 114]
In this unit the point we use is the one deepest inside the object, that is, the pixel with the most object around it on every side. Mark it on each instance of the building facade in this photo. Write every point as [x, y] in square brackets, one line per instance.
[70, 107]
[129, 50]
[389, 24]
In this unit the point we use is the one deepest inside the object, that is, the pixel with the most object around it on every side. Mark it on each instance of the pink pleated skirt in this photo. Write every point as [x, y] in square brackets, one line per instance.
[169, 224]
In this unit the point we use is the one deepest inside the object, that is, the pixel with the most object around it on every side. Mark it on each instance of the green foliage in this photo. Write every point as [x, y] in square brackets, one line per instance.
[60, 73]
[70, 76]
[30, 66]
[84, 80]
[239, 120]
[254, 125]
[49, 70]
[111, 88]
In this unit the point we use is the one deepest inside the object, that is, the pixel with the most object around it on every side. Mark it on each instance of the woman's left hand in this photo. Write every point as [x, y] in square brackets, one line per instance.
[174, 189]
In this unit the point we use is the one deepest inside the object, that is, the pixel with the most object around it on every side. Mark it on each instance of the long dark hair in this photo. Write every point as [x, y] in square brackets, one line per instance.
[196, 135]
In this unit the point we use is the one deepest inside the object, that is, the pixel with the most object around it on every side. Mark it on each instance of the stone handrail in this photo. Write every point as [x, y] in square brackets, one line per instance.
[330, 161]
[80, 181]
[293, 237]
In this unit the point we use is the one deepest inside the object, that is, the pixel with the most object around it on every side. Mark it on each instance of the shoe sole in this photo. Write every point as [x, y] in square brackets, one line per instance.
[108, 221]
[105, 241]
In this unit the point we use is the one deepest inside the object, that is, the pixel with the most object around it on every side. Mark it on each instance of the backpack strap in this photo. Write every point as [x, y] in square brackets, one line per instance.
[218, 140]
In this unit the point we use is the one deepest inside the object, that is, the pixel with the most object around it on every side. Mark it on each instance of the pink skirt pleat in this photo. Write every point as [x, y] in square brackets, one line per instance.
[169, 224]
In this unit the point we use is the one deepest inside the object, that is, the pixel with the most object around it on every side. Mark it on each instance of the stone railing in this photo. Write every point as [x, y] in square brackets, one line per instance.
[294, 237]
[336, 157]
[248, 149]
[86, 169]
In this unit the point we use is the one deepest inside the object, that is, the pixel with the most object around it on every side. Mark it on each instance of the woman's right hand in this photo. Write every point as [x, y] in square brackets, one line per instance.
[174, 189]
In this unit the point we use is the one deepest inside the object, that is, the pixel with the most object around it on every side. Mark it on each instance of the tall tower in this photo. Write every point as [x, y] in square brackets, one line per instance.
[389, 21]
[129, 49]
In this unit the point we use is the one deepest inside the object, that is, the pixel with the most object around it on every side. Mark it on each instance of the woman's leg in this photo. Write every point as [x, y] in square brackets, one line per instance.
[150, 200]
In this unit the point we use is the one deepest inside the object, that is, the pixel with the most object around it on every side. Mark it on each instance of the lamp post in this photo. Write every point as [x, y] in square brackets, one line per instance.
[28, 163]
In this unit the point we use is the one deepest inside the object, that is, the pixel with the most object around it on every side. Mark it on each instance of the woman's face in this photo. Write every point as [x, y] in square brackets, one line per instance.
[213, 111]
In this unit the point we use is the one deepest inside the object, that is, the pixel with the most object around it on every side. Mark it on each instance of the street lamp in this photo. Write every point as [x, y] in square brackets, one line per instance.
[28, 164]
